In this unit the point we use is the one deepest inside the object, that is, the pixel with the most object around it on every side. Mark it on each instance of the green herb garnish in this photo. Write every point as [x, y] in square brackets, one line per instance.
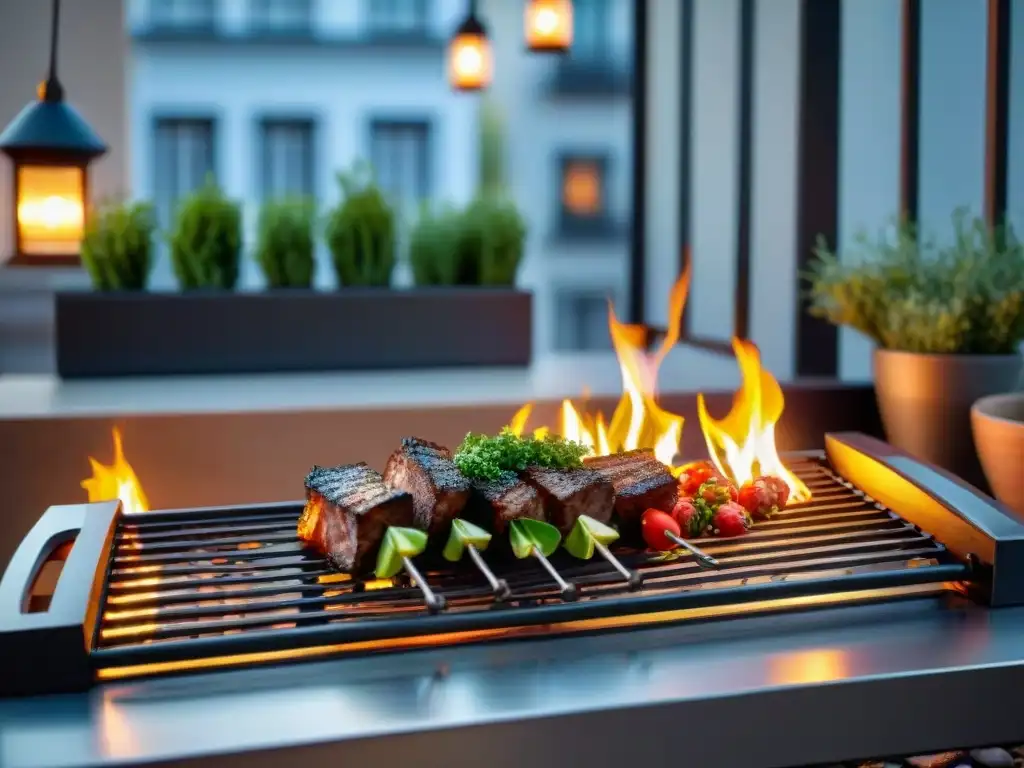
[496, 458]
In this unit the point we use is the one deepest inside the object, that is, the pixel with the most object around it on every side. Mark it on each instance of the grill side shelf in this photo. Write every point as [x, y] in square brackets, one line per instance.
[973, 526]
[49, 651]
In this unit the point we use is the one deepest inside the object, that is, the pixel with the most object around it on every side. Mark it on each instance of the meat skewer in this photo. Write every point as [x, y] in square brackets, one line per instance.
[348, 510]
[640, 482]
[468, 538]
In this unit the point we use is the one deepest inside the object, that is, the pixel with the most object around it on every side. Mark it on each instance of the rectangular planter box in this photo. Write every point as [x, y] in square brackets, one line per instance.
[151, 334]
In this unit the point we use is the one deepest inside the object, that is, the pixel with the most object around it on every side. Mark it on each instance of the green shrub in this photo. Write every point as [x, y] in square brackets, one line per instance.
[479, 245]
[286, 242]
[361, 232]
[117, 246]
[206, 239]
[911, 294]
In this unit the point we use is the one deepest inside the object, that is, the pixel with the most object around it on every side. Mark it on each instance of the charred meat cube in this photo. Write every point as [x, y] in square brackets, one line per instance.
[496, 503]
[426, 470]
[569, 493]
[348, 509]
[640, 482]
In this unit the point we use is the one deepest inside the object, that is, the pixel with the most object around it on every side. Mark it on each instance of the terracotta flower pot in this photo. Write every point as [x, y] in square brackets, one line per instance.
[998, 422]
[925, 402]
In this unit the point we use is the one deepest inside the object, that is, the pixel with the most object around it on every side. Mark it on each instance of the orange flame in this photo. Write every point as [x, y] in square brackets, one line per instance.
[741, 445]
[116, 481]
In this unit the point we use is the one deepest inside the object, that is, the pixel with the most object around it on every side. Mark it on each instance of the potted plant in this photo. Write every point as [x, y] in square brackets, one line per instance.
[117, 246]
[286, 242]
[947, 319]
[206, 240]
[360, 232]
[481, 245]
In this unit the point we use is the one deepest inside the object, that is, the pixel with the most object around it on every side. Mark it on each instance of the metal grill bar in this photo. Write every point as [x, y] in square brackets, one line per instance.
[215, 582]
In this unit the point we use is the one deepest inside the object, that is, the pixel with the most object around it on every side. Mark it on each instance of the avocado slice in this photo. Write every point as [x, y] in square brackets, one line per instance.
[526, 534]
[398, 543]
[464, 534]
[580, 541]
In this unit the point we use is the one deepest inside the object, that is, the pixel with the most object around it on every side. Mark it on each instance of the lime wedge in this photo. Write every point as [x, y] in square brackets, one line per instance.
[580, 541]
[464, 534]
[526, 534]
[398, 543]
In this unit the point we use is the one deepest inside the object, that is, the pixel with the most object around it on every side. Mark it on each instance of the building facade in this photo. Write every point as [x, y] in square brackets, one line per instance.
[274, 97]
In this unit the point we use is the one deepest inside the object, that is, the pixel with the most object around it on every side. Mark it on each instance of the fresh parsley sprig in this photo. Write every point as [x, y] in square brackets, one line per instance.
[495, 458]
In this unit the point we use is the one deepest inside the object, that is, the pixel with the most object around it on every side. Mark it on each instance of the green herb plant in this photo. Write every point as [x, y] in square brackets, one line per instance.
[286, 242]
[479, 245]
[361, 232]
[117, 246]
[500, 457]
[206, 239]
[909, 293]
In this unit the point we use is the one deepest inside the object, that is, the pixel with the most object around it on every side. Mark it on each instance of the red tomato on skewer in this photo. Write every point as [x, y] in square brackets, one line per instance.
[653, 525]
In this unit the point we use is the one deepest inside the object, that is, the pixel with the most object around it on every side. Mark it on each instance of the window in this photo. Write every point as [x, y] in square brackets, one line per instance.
[286, 158]
[184, 158]
[583, 191]
[397, 16]
[591, 30]
[281, 15]
[581, 320]
[182, 14]
[400, 157]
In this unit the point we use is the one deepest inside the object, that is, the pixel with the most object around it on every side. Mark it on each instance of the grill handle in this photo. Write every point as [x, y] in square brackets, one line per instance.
[48, 651]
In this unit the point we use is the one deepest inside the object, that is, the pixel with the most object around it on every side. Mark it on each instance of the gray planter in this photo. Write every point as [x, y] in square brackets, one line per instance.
[925, 402]
[221, 332]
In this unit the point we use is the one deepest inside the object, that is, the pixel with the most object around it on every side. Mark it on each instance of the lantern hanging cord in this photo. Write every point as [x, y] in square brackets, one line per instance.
[54, 91]
[473, 8]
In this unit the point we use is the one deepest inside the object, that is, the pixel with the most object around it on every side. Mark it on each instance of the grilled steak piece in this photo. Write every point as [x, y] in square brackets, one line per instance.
[569, 493]
[495, 503]
[426, 470]
[348, 509]
[640, 482]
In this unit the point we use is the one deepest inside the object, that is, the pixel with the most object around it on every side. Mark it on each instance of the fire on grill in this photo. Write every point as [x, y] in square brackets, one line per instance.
[594, 526]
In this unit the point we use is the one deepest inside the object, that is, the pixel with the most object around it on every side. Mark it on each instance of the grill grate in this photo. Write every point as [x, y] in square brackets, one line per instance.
[189, 584]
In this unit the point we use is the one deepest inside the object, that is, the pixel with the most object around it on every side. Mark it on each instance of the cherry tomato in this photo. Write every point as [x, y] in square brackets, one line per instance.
[653, 525]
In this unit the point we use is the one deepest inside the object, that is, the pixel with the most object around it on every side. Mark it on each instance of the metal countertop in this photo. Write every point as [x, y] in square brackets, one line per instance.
[898, 678]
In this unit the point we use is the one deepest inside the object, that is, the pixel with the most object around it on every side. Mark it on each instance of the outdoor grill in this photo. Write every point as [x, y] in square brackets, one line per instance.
[178, 591]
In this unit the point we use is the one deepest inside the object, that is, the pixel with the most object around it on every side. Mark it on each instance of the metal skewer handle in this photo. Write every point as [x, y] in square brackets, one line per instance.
[568, 590]
[703, 559]
[498, 586]
[635, 578]
[435, 603]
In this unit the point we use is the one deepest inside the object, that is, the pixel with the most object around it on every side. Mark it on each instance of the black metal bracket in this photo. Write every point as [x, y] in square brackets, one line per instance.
[49, 651]
[971, 525]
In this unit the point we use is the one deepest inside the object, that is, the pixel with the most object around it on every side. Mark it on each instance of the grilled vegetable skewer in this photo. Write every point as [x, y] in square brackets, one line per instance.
[472, 539]
[537, 539]
[399, 547]
[589, 535]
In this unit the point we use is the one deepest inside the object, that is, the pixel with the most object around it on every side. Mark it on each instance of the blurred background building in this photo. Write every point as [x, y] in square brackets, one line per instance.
[275, 97]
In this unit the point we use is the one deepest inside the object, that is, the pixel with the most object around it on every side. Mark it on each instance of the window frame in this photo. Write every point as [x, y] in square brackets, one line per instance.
[179, 118]
[160, 16]
[567, 296]
[378, 27]
[258, 19]
[305, 121]
[426, 180]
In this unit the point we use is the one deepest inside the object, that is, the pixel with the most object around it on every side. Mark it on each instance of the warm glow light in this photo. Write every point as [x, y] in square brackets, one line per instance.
[806, 667]
[742, 445]
[51, 209]
[548, 25]
[116, 481]
[581, 189]
[469, 61]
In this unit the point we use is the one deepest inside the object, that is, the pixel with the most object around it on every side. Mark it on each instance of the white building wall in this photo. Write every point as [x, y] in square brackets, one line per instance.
[342, 86]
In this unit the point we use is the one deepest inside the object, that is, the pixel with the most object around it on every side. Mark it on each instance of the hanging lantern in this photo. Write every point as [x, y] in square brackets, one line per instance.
[470, 63]
[51, 147]
[548, 25]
